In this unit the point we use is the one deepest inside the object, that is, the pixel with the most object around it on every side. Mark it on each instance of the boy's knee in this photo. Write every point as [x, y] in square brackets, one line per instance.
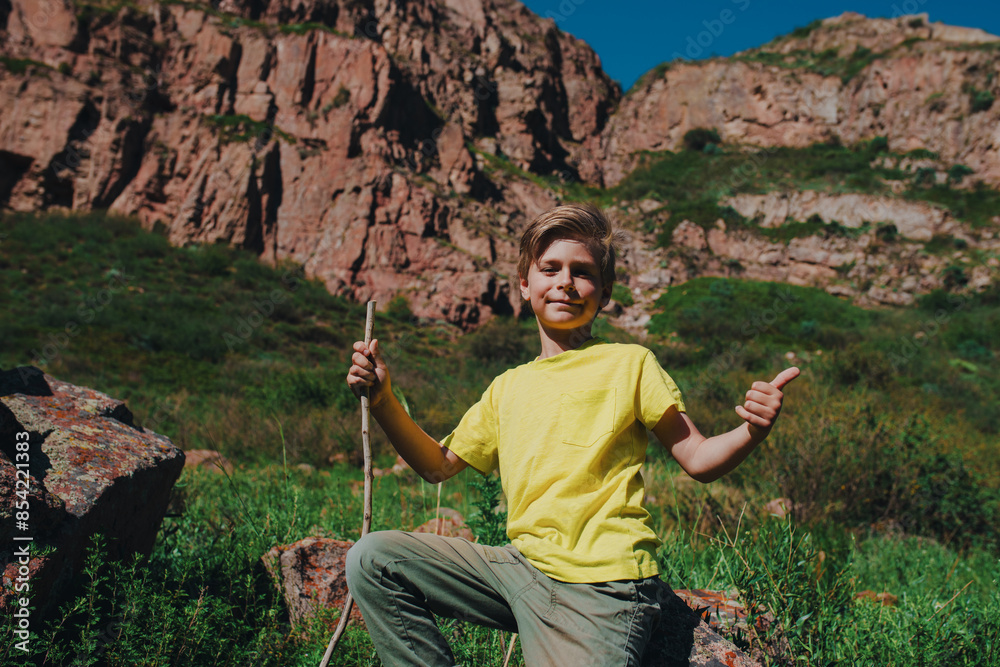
[369, 554]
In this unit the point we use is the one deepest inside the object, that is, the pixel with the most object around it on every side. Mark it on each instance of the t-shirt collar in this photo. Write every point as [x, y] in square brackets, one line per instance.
[536, 362]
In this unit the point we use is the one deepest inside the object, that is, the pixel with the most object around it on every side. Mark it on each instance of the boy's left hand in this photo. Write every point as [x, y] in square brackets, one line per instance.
[764, 402]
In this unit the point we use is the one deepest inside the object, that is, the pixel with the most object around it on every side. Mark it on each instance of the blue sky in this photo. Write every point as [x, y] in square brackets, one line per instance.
[633, 36]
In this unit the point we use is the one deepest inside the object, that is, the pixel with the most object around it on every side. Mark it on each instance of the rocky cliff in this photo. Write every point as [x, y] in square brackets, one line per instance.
[919, 84]
[346, 136]
[396, 147]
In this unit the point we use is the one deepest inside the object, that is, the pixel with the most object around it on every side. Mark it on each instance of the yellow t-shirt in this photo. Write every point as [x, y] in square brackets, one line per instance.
[568, 434]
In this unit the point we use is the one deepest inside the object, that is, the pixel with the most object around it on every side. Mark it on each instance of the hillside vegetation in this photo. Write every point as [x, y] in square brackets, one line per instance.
[887, 446]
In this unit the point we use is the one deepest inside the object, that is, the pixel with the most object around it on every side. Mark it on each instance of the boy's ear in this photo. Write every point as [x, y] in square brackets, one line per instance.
[525, 294]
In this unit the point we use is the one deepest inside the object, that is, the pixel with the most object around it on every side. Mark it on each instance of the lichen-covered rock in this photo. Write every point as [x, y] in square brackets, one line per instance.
[310, 574]
[90, 470]
[726, 615]
[683, 638]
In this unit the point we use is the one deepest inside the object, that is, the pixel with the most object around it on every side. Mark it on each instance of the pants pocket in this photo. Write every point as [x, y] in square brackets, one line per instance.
[495, 554]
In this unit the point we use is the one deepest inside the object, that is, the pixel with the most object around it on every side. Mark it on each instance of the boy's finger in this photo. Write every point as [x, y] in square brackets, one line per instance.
[762, 397]
[361, 360]
[785, 376]
[763, 410]
[751, 418]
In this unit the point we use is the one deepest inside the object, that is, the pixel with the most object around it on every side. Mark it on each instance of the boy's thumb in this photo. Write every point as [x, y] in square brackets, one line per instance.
[374, 350]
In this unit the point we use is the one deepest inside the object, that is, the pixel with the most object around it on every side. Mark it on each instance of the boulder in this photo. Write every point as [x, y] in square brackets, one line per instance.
[310, 574]
[449, 523]
[90, 469]
[208, 459]
[726, 615]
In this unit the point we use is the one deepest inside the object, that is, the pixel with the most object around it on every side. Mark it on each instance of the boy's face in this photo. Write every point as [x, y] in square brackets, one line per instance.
[564, 286]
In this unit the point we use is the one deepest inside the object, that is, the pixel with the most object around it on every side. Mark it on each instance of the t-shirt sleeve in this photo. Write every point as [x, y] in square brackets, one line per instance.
[475, 438]
[656, 393]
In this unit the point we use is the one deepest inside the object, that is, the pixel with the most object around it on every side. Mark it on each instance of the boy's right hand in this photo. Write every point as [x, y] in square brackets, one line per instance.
[369, 370]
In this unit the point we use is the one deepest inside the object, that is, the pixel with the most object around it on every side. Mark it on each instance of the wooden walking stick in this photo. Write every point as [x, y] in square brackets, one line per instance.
[366, 518]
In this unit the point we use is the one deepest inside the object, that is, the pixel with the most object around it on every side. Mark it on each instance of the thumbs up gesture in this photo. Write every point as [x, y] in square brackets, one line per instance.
[763, 403]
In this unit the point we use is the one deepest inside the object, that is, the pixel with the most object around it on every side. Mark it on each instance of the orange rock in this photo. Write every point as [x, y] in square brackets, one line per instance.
[779, 507]
[311, 576]
[207, 459]
[885, 599]
[449, 523]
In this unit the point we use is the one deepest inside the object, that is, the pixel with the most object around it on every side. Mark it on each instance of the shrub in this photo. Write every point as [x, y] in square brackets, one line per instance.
[804, 31]
[879, 144]
[954, 277]
[782, 572]
[700, 137]
[886, 231]
[852, 463]
[622, 294]
[979, 100]
[487, 524]
[342, 97]
[503, 340]
[957, 172]
[211, 259]
[861, 364]
[925, 176]
[302, 389]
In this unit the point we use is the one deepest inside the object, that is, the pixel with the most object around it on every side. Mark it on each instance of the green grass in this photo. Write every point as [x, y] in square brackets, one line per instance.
[695, 182]
[885, 500]
[239, 128]
[568, 191]
[204, 598]
[814, 226]
[826, 63]
[21, 65]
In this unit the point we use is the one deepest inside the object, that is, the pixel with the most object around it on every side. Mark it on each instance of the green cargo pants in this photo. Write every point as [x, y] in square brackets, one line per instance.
[401, 580]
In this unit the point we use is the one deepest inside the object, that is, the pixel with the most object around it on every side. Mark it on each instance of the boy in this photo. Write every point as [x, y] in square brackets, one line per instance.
[579, 581]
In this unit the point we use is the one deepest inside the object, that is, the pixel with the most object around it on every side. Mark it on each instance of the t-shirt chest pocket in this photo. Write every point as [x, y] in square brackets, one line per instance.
[586, 416]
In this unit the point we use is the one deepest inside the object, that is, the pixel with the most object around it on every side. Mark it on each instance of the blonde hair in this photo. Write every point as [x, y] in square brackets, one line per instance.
[578, 222]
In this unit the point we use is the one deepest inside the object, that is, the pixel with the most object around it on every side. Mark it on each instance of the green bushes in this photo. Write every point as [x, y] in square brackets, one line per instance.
[700, 138]
[793, 592]
[718, 311]
[504, 340]
[694, 182]
[828, 62]
[487, 523]
[979, 100]
[856, 465]
[622, 294]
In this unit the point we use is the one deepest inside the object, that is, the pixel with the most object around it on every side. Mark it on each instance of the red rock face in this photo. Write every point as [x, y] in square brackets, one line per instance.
[91, 470]
[344, 147]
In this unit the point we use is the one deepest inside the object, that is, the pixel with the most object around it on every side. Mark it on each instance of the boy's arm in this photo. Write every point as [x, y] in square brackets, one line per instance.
[708, 459]
[422, 452]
